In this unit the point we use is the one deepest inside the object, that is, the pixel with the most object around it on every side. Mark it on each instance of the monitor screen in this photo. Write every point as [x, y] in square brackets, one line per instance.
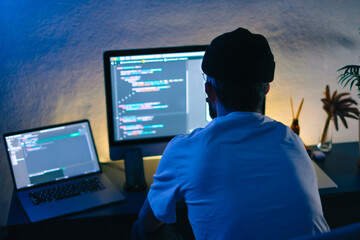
[153, 95]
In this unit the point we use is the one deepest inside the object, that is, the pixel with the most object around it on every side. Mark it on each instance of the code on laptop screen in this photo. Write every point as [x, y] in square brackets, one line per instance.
[51, 154]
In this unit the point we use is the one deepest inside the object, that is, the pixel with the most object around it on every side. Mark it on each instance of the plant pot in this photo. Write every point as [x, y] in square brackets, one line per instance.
[295, 126]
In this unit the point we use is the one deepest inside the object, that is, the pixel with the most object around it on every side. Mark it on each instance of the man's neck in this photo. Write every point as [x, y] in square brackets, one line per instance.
[223, 111]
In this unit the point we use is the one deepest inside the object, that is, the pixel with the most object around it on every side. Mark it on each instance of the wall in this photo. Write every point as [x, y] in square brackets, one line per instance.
[51, 54]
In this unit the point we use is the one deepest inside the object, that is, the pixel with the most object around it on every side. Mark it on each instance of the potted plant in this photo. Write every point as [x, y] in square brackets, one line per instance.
[336, 105]
[350, 76]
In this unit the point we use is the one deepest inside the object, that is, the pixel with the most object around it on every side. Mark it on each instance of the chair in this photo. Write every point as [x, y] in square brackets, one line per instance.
[349, 232]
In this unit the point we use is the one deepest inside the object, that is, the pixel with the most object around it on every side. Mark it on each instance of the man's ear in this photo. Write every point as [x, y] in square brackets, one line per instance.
[268, 88]
[210, 91]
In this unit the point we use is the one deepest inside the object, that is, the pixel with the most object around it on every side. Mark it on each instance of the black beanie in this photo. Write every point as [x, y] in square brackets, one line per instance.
[239, 56]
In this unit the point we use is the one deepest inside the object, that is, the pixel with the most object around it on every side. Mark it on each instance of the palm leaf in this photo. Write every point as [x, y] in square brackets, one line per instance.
[343, 121]
[327, 110]
[352, 83]
[337, 98]
[334, 96]
[325, 101]
[338, 105]
[335, 121]
[345, 78]
[327, 92]
[350, 68]
[352, 110]
[347, 101]
[351, 116]
[350, 75]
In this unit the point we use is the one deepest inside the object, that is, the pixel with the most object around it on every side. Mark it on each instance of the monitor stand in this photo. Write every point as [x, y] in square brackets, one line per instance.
[134, 170]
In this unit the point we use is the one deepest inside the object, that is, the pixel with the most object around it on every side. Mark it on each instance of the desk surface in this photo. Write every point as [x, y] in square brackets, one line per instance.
[115, 171]
[340, 166]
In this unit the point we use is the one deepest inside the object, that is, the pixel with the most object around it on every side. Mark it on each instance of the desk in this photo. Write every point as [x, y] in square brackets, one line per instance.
[340, 166]
[104, 222]
[341, 205]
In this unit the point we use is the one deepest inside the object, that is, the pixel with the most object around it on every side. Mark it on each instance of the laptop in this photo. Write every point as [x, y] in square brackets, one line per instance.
[56, 170]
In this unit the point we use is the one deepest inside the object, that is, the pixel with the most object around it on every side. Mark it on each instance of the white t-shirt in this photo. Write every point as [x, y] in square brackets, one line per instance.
[243, 176]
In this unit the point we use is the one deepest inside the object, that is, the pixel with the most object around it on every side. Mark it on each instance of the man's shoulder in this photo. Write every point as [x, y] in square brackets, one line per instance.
[194, 134]
[244, 121]
[183, 139]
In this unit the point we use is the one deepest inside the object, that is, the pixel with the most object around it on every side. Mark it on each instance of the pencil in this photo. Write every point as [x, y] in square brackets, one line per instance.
[298, 113]
[292, 108]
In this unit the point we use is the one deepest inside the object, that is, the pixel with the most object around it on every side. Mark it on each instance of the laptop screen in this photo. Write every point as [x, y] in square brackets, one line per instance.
[52, 153]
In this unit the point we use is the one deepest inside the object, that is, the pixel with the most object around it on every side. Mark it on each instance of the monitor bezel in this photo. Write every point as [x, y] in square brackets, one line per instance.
[149, 146]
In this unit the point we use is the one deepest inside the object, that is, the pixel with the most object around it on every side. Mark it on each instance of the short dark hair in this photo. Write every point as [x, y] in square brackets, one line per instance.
[242, 65]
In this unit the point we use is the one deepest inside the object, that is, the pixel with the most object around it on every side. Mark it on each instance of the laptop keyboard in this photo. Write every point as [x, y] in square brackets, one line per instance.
[66, 191]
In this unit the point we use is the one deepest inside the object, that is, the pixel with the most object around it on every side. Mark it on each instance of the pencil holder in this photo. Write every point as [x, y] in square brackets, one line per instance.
[295, 126]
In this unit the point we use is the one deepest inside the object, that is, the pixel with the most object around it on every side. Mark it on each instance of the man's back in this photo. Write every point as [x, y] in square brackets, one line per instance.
[243, 176]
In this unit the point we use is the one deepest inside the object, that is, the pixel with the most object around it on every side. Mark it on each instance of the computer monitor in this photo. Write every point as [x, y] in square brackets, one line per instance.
[153, 95]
